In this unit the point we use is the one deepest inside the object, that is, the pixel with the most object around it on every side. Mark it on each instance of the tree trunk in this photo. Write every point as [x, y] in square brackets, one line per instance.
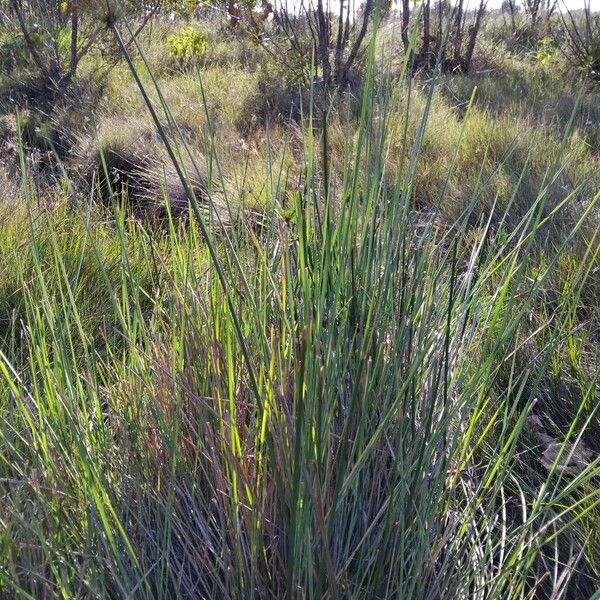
[359, 38]
[473, 33]
[427, 33]
[440, 33]
[339, 44]
[235, 14]
[323, 43]
[405, 21]
[512, 9]
[458, 33]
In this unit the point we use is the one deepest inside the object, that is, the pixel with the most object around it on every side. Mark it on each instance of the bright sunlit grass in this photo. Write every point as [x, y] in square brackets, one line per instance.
[349, 399]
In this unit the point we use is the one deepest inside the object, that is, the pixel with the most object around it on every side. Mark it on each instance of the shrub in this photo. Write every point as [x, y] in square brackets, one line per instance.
[546, 51]
[58, 35]
[181, 7]
[189, 44]
[582, 38]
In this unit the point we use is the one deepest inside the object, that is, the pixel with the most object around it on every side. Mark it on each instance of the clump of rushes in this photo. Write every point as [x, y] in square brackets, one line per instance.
[333, 406]
[106, 11]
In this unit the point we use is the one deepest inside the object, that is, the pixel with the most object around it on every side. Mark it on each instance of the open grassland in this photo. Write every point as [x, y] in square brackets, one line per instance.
[367, 366]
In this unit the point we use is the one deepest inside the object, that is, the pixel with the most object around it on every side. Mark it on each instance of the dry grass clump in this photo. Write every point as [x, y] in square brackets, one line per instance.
[126, 160]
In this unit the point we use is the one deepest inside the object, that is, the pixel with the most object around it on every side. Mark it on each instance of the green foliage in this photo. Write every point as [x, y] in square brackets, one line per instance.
[357, 393]
[546, 52]
[182, 7]
[189, 44]
[161, 395]
[297, 71]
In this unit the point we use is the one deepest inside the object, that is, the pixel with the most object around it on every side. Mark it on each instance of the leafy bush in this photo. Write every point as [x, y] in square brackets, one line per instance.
[546, 52]
[298, 69]
[181, 7]
[189, 44]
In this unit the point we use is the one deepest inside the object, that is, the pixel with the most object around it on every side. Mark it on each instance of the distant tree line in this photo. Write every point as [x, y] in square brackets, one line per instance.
[433, 33]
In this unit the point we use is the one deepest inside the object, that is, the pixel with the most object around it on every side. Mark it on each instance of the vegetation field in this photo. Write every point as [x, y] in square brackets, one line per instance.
[299, 303]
